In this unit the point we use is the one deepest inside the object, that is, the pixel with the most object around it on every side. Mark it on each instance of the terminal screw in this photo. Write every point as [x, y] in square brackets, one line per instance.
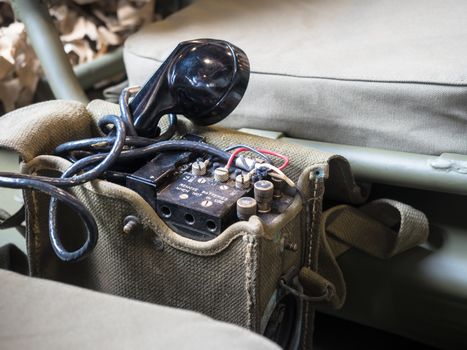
[198, 168]
[278, 186]
[221, 174]
[242, 182]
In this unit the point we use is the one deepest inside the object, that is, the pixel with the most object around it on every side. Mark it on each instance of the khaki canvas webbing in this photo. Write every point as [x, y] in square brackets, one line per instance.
[382, 228]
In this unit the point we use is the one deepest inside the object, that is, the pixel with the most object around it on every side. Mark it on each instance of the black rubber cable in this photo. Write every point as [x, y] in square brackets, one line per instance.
[57, 245]
[163, 146]
[70, 200]
[103, 143]
[15, 220]
[93, 173]
[51, 186]
[125, 111]
[107, 160]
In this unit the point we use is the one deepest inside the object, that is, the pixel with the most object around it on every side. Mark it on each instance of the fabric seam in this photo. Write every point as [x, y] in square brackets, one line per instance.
[35, 233]
[249, 278]
[310, 247]
[462, 83]
[313, 217]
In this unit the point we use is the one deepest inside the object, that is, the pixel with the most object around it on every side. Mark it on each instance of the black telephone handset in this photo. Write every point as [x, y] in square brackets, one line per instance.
[203, 79]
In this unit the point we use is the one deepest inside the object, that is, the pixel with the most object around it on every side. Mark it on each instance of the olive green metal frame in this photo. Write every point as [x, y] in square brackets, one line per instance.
[66, 83]
[445, 173]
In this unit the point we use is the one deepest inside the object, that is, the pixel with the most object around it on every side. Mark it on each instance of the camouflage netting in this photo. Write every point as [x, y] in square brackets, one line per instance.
[88, 29]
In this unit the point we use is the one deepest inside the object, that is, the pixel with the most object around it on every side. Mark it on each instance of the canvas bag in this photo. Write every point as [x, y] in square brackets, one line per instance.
[235, 277]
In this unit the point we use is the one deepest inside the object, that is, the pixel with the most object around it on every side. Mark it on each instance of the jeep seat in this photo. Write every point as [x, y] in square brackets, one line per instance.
[382, 74]
[42, 314]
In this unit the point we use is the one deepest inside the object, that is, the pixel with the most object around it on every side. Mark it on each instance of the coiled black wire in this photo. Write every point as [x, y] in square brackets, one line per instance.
[51, 186]
[101, 153]
[107, 160]
[163, 146]
[125, 111]
[59, 194]
[104, 143]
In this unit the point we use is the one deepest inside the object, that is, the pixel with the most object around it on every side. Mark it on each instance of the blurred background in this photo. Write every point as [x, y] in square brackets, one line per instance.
[92, 33]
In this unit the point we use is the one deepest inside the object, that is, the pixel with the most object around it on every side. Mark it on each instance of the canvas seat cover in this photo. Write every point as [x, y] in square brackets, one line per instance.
[42, 314]
[383, 74]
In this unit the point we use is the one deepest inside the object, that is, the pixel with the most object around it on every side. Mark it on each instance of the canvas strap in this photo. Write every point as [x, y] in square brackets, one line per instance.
[382, 228]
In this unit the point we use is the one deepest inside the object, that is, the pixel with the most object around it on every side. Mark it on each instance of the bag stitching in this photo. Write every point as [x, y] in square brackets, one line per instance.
[249, 252]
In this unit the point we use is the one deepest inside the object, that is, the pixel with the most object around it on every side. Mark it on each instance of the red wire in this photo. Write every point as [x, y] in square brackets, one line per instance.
[272, 153]
[233, 155]
[265, 151]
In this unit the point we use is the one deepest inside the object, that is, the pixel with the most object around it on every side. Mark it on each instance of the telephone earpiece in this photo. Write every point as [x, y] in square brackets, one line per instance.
[203, 79]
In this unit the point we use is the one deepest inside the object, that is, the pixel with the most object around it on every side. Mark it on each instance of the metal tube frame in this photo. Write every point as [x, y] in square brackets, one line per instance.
[48, 47]
[66, 82]
[445, 173]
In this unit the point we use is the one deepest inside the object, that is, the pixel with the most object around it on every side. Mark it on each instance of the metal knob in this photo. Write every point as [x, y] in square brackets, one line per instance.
[278, 186]
[264, 191]
[246, 207]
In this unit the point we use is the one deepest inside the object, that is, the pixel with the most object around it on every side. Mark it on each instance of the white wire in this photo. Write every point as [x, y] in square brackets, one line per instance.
[278, 173]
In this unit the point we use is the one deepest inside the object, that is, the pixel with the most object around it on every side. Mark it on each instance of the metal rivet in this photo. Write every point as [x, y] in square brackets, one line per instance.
[158, 243]
[291, 246]
[130, 224]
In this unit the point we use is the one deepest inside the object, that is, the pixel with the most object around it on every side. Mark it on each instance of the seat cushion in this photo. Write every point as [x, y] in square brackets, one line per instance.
[384, 74]
[41, 314]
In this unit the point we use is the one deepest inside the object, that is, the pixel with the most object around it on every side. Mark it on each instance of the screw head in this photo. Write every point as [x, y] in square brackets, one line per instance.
[158, 243]
[206, 203]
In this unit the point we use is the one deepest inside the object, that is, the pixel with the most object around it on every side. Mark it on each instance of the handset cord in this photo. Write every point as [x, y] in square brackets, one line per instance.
[120, 143]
